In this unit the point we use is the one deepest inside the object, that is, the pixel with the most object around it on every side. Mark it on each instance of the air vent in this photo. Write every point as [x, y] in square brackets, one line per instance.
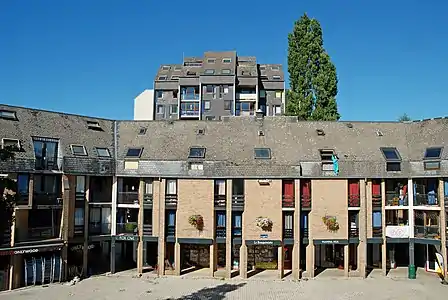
[260, 133]
[320, 132]
[200, 132]
[142, 131]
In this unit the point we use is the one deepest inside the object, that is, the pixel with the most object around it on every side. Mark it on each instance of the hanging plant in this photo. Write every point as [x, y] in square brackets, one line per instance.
[197, 221]
[331, 223]
[264, 223]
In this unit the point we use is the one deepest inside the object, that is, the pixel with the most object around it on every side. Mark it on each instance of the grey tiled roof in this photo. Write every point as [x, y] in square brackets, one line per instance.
[230, 144]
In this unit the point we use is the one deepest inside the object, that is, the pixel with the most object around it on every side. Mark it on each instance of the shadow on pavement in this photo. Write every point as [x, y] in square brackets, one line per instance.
[216, 293]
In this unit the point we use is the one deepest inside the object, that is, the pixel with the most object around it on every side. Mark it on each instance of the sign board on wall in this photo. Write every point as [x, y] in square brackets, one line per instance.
[397, 232]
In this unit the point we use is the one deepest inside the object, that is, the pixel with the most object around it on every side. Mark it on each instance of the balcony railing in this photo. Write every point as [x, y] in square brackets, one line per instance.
[394, 199]
[377, 231]
[47, 164]
[100, 198]
[305, 201]
[127, 228]
[288, 201]
[220, 232]
[238, 202]
[147, 229]
[38, 233]
[430, 199]
[127, 198]
[189, 113]
[353, 200]
[5, 238]
[44, 198]
[377, 201]
[189, 96]
[171, 201]
[99, 228]
[79, 196]
[304, 232]
[170, 230]
[220, 201]
[429, 232]
[148, 200]
[237, 232]
[288, 233]
[353, 233]
[79, 230]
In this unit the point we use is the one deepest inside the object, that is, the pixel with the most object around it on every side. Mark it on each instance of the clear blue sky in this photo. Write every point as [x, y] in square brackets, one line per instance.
[93, 57]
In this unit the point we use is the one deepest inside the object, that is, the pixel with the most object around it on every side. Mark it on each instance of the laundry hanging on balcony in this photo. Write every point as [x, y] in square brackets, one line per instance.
[334, 158]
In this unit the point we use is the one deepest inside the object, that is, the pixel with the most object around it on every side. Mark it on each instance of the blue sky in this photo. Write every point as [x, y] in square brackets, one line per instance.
[93, 57]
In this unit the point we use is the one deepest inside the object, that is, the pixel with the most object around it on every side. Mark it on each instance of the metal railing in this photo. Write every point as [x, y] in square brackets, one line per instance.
[80, 196]
[127, 198]
[238, 201]
[148, 200]
[430, 199]
[220, 200]
[38, 233]
[353, 200]
[171, 201]
[430, 232]
[304, 232]
[377, 231]
[96, 197]
[353, 233]
[170, 230]
[305, 201]
[377, 201]
[79, 230]
[47, 198]
[47, 164]
[220, 232]
[99, 228]
[147, 229]
[394, 199]
[288, 233]
[237, 232]
[288, 201]
[127, 228]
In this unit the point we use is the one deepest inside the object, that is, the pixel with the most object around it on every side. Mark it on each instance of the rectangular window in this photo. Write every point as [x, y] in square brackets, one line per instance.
[226, 60]
[78, 150]
[8, 115]
[196, 152]
[275, 68]
[79, 216]
[194, 166]
[159, 94]
[173, 109]
[276, 77]
[376, 219]
[278, 94]
[227, 104]
[95, 215]
[393, 166]
[23, 184]
[171, 187]
[12, 144]
[431, 165]
[391, 154]
[225, 71]
[166, 68]
[433, 153]
[174, 77]
[262, 93]
[277, 110]
[148, 186]
[80, 184]
[237, 224]
[171, 216]
[102, 152]
[47, 150]
[162, 78]
[209, 72]
[160, 109]
[211, 60]
[225, 89]
[210, 118]
[220, 219]
[209, 88]
[207, 105]
[134, 152]
[220, 187]
[262, 153]
[289, 223]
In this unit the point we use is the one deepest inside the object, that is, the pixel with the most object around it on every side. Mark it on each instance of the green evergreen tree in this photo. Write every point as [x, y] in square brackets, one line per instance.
[313, 78]
[404, 118]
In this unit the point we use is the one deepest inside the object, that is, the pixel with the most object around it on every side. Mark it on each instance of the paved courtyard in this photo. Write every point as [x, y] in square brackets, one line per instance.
[126, 287]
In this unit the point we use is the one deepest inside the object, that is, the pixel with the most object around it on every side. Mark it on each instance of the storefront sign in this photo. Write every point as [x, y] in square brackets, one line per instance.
[19, 251]
[263, 243]
[397, 232]
[331, 242]
[81, 247]
[126, 238]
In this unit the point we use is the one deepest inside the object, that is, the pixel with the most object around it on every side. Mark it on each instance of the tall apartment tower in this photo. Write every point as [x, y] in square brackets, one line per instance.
[210, 87]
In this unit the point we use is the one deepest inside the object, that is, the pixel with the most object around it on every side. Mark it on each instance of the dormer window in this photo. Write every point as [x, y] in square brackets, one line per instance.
[78, 150]
[174, 77]
[433, 153]
[197, 152]
[275, 68]
[209, 72]
[211, 60]
[166, 68]
[191, 73]
[432, 158]
[134, 152]
[393, 159]
[276, 77]
[12, 144]
[102, 152]
[8, 115]
[226, 60]
[94, 125]
[162, 77]
[326, 158]
[262, 153]
[225, 71]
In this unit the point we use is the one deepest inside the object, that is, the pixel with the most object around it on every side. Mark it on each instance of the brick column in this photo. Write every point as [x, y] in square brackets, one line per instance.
[85, 250]
[362, 246]
[213, 258]
[383, 224]
[310, 252]
[297, 237]
[140, 258]
[177, 267]
[281, 261]
[443, 214]
[243, 260]
[346, 260]
[159, 221]
[67, 200]
[229, 228]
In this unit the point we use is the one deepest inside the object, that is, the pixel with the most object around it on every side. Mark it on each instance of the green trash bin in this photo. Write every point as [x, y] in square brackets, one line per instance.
[411, 272]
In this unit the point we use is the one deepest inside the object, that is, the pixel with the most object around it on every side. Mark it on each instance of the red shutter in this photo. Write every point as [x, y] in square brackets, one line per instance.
[376, 188]
[354, 188]
[306, 189]
[288, 188]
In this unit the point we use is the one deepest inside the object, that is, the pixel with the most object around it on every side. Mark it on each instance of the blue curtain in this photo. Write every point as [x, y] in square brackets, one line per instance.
[376, 219]
[221, 220]
[171, 219]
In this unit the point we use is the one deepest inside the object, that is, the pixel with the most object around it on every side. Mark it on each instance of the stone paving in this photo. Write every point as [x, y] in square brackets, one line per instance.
[126, 287]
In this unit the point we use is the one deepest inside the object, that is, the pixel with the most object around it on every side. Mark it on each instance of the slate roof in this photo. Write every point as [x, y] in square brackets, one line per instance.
[230, 143]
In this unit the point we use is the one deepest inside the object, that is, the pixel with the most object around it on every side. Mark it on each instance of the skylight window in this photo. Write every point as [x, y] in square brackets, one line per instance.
[12, 144]
[175, 77]
[226, 60]
[262, 153]
[94, 126]
[326, 155]
[78, 150]
[275, 68]
[433, 153]
[102, 152]
[211, 61]
[276, 77]
[8, 115]
[391, 154]
[196, 152]
[225, 71]
[209, 72]
[162, 77]
[134, 152]
[166, 68]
